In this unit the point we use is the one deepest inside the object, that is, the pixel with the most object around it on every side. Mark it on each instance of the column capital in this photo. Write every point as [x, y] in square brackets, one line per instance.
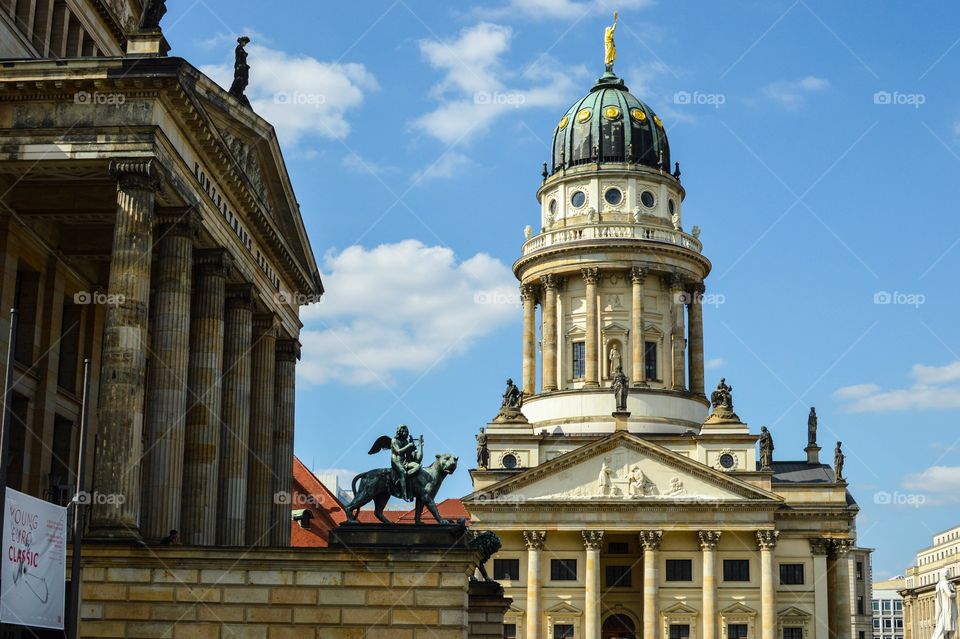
[638, 274]
[709, 539]
[592, 539]
[841, 547]
[288, 350]
[696, 288]
[137, 173]
[819, 546]
[675, 281]
[590, 275]
[551, 281]
[650, 539]
[212, 261]
[265, 324]
[767, 539]
[181, 221]
[529, 292]
[534, 539]
[241, 296]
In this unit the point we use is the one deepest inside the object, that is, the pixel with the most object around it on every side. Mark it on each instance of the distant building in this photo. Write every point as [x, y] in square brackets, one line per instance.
[861, 592]
[888, 609]
[921, 580]
[332, 481]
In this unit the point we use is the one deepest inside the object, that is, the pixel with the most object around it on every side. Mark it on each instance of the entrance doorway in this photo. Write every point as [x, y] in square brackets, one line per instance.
[618, 627]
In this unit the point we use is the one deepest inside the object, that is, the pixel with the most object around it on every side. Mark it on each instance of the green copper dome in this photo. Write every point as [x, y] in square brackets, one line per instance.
[610, 124]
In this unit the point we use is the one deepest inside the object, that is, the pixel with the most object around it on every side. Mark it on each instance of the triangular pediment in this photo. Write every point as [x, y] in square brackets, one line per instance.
[563, 608]
[738, 609]
[624, 468]
[793, 613]
[679, 608]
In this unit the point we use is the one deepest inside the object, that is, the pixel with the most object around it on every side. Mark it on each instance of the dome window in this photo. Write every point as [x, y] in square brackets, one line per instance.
[727, 461]
[563, 123]
[658, 121]
[613, 196]
[638, 115]
[509, 461]
[578, 199]
[648, 199]
[611, 113]
[552, 207]
[671, 206]
[584, 115]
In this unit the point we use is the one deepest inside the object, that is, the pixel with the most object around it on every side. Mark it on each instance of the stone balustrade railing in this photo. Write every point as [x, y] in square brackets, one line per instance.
[589, 232]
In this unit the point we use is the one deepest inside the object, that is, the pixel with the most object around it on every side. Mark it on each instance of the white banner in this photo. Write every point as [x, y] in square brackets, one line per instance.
[34, 562]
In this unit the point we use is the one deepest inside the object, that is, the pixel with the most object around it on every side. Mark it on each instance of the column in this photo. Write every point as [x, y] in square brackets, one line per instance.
[235, 416]
[167, 376]
[528, 293]
[650, 540]
[678, 339]
[819, 549]
[708, 544]
[695, 345]
[766, 542]
[288, 352]
[549, 313]
[260, 464]
[198, 511]
[123, 359]
[592, 539]
[534, 540]
[638, 356]
[841, 588]
[590, 277]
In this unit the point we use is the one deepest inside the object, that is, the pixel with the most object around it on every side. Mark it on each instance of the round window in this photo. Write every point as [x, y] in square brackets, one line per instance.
[552, 207]
[648, 199]
[613, 196]
[578, 199]
[509, 461]
[583, 115]
[671, 206]
[727, 460]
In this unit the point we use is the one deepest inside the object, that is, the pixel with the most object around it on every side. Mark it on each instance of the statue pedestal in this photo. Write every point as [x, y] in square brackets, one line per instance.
[355, 536]
[510, 416]
[148, 42]
[813, 454]
[621, 419]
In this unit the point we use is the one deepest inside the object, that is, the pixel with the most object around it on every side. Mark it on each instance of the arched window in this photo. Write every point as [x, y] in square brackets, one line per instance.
[618, 627]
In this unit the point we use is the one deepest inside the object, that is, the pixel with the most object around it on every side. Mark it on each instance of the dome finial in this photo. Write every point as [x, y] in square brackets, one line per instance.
[609, 47]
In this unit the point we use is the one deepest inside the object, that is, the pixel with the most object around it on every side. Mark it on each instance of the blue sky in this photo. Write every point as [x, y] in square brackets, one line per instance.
[820, 146]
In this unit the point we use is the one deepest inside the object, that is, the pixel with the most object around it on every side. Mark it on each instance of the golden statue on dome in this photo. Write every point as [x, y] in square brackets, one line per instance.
[609, 47]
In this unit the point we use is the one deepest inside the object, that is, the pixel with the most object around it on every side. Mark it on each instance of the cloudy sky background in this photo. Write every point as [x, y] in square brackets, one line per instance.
[819, 142]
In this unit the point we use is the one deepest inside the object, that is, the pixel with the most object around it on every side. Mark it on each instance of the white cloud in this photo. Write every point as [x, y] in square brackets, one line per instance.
[713, 363]
[446, 166]
[402, 307]
[364, 165]
[938, 484]
[791, 94]
[557, 9]
[298, 94]
[934, 388]
[477, 88]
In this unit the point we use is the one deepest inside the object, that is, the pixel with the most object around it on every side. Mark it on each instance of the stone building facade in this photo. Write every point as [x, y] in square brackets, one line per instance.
[148, 223]
[627, 506]
[920, 582]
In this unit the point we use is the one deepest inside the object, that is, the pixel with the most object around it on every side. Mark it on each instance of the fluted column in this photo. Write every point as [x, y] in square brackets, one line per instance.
[592, 540]
[766, 543]
[167, 376]
[198, 518]
[638, 355]
[708, 545]
[123, 367]
[695, 345]
[534, 540]
[549, 313]
[841, 588]
[590, 278]
[678, 338]
[235, 416]
[819, 548]
[288, 352]
[262, 407]
[528, 293]
[650, 540]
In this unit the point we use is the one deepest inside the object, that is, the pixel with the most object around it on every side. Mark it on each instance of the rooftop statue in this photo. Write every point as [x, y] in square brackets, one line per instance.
[766, 449]
[511, 404]
[609, 47]
[241, 71]
[945, 613]
[812, 427]
[722, 401]
[406, 478]
[838, 459]
[152, 14]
